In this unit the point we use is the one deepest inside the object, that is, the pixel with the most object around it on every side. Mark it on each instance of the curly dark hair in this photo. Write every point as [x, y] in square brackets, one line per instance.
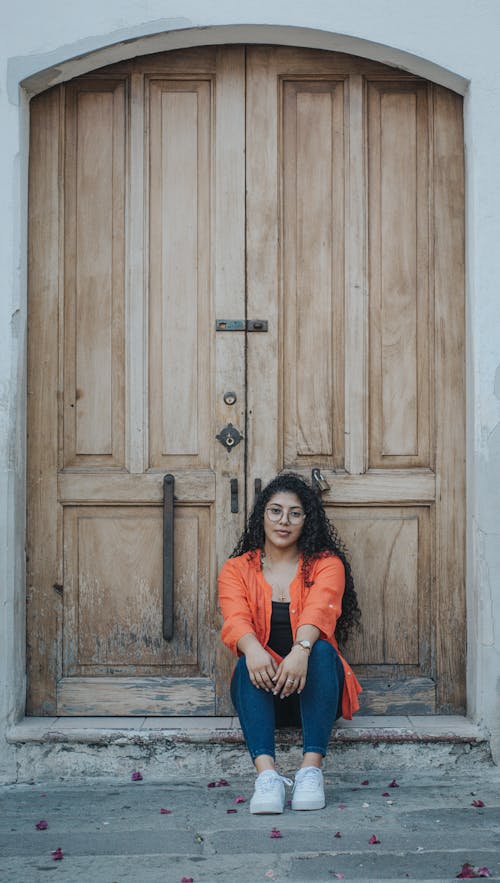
[318, 537]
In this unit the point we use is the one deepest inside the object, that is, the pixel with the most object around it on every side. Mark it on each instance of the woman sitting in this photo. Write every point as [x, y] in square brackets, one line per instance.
[287, 597]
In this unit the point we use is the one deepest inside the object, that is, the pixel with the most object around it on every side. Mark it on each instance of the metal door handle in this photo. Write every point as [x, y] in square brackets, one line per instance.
[257, 486]
[234, 495]
[168, 557]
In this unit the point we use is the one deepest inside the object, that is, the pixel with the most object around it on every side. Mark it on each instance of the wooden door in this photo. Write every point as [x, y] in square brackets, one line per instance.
[182, 192]
[136, 246]
[357, 172]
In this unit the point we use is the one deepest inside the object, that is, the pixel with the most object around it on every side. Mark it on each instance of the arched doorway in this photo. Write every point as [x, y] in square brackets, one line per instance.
[175, 200]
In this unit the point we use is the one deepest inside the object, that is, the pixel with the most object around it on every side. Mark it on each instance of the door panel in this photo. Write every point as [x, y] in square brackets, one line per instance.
[324, 194]
[139, 366]
[180, 309]
[399, 262]
[352, 205]
[313, 271]
[94, 275]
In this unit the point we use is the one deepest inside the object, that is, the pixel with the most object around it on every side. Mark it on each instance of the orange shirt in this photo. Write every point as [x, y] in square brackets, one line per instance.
[246, 602]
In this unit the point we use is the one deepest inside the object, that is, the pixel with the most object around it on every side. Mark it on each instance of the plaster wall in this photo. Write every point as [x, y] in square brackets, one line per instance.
[453, 42]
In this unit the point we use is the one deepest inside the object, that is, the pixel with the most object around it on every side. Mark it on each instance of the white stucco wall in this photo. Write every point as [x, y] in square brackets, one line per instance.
[454, 42]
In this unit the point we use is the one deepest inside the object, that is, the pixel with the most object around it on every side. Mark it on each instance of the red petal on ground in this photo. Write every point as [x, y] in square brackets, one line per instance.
[57, 855]
[477, 803]
[165, 812]
[385, 794]
[136, 776]
[187, 880]
[366, 782]
[240, 799]
[337, 834]
[467, 872]
[393, 784]
[484, 872]
[42, 825]
[374, 839]
[342, 805]
[222, 782]
[339, 876]
[275, 834]
[231, 810]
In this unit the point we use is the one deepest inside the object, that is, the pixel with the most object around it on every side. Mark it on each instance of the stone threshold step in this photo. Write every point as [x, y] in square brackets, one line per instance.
[220, 730]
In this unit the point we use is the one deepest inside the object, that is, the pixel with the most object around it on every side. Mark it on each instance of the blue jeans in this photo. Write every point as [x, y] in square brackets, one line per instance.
[319, 702]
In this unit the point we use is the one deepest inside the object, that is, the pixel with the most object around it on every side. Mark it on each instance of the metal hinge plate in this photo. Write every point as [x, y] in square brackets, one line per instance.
[241, 324]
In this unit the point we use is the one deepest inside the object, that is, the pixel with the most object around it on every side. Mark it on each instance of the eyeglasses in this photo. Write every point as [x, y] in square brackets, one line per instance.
[276, 513]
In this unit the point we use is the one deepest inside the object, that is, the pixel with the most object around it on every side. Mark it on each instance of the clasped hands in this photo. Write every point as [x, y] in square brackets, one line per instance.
[282, 680]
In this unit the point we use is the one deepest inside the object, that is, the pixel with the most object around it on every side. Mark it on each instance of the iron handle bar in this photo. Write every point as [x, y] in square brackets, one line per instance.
[257, 486]
[168, 557]
[234, 496]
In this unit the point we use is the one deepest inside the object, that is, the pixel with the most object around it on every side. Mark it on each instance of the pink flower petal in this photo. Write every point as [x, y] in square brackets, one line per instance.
[57, 855]
[136, 776]
[275, 834]
[231, 810]
[187, 880]
[221, 783]
[240, 799]
[339, 876]
[42, 825]
[337, 834]
[385, 794]
[269, 873]
[366, 782]
[483, 872]
[374, 839]
[477, 803]
[467, 872]
[165, 812]
[393, 784]
[342, 805]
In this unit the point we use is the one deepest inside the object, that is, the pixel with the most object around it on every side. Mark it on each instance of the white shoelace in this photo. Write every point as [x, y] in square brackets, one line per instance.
[265, 782]
[309, 779]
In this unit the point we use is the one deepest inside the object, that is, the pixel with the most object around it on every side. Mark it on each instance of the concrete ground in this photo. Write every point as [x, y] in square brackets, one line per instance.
[113, 831]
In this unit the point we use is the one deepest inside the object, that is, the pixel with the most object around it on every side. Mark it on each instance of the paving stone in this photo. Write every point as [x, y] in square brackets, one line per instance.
[113, 832]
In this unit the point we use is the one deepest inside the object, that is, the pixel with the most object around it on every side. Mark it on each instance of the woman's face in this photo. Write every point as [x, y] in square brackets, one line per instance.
[283, 520]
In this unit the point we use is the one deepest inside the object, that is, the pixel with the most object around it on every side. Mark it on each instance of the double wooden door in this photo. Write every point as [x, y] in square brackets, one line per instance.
[242, 260]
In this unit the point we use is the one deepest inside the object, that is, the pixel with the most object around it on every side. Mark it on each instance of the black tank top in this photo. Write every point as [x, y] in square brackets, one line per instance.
[286, 711]
[280, 638]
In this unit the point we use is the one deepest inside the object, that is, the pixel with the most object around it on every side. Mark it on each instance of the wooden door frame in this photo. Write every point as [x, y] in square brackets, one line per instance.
[453, 473]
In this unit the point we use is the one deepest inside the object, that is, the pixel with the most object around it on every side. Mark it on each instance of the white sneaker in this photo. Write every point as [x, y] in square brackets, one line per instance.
[308, 789]
[269, 794]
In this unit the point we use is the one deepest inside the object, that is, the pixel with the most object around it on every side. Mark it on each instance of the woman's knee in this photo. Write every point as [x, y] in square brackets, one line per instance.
[323, 651]
[324, 661]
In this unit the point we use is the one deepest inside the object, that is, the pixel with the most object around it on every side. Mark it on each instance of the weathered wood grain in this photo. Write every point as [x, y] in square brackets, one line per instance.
[44, 560]
[136, 696]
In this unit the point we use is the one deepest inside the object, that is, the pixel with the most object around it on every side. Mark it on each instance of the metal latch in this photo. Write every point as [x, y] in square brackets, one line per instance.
[319, 481]
[241, 324]
[229, 437]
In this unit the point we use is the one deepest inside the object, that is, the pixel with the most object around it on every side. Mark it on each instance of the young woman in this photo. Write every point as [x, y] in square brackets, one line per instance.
[287, 596]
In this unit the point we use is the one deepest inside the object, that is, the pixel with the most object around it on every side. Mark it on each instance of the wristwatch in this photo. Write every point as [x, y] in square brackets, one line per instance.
[306, 645]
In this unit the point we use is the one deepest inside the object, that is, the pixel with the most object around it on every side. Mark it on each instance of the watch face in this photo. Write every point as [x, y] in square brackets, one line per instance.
[306, 644]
